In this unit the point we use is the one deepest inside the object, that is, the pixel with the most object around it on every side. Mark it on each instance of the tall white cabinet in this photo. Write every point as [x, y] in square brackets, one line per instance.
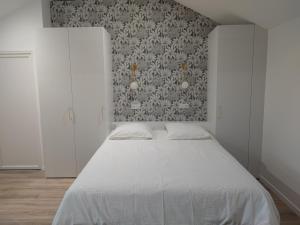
[75, 91]
[236, 81]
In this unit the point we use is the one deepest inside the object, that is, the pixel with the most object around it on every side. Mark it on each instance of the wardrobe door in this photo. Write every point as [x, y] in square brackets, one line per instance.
[18, 113]
[53, 69]
[235, 53]
[86, 54]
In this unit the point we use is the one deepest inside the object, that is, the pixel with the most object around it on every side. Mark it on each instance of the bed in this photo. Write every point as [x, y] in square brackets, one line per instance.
[165, 182]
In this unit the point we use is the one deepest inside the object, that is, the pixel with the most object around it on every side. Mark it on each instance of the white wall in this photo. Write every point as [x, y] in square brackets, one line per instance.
[17, 31]
[46, 13]
[281, 136]
[18, 28]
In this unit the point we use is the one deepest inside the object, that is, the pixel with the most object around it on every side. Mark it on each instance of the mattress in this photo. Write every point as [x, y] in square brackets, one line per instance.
[165, 182]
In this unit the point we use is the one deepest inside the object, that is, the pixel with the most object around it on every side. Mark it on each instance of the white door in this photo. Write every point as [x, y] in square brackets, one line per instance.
[86, 54]
[53, 68]
[234, 89]
[20, 145]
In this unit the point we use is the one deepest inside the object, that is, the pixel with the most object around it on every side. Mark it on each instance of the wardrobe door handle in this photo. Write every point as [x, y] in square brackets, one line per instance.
[101, 115]
[71, 115]
[68, 117]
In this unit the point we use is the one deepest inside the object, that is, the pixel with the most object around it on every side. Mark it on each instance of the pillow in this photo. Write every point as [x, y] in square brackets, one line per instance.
[186, 131]
[131, 131]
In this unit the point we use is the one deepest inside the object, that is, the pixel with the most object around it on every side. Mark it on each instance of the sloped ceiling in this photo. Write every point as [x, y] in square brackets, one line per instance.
[266, 13]
[8, 6]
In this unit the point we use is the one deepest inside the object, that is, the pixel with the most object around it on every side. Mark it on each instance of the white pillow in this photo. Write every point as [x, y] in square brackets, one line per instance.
[131, 131]
[186, 131]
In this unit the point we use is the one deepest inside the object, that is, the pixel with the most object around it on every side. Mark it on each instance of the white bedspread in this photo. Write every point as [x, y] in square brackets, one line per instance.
[165, 182]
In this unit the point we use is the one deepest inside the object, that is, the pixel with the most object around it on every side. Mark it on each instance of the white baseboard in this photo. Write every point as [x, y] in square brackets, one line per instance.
[20, 167]
[281, 195]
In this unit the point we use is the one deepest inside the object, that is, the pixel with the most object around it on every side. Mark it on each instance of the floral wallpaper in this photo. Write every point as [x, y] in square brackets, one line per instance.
[157, 35]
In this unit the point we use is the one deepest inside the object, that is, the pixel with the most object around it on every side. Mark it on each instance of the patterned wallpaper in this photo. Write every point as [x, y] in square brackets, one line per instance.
[158, 35]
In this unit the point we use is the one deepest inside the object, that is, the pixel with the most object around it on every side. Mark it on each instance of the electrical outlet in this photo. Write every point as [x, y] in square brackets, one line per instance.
[135, 105]
[183, 106]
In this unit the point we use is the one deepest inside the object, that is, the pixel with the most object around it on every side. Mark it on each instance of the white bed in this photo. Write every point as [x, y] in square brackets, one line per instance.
[165, 182]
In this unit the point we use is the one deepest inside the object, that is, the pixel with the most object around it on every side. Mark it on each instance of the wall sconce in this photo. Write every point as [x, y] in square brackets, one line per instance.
[185, 83]
[133, 82]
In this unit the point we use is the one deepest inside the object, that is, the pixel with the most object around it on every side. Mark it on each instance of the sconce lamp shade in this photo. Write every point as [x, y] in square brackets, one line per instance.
[134, 85]
[184, 85]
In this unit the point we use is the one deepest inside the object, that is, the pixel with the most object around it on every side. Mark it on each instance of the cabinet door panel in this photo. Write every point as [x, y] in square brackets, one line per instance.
[235, 55]
[86, 54]
[18, 114]
[53, 69]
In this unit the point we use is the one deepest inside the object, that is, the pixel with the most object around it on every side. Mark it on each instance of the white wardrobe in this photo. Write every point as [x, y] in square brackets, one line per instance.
[236, 86]
[75, 91]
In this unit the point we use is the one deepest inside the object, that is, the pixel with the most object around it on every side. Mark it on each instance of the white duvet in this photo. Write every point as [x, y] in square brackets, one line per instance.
[165, 182]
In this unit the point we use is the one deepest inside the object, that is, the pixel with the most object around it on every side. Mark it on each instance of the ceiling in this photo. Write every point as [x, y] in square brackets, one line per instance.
[8, 6]
[266, 13]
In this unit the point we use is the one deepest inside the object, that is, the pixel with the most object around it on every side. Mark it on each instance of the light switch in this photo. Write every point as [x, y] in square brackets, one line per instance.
[135, 105]
[183, 106]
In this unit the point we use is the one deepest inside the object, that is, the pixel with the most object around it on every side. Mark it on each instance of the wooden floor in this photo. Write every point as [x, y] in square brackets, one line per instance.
[28, 198]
